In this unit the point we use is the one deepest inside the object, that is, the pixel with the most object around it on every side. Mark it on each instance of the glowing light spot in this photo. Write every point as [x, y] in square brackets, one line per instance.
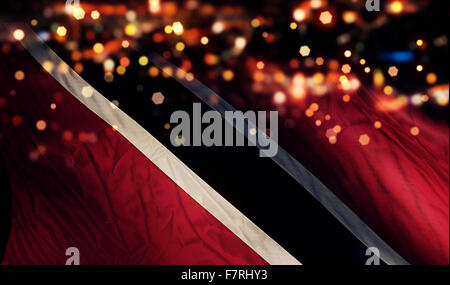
[415, 131]
[240, 43]
[124, 61]
[78, 13]
[318, 123]
[305, 50]
[337, 129]
[346, 98]
[279, 77]
[293, 25]
[347, 53]
[326, 17]
[332, 140]
[362, 61]
[180, 46]
[63, 68]
[298, 86]
[131, 29]
[346, 68]
[309, 113]
[218, 27]
[377, 124]
[367, 70]
[258, 76]
[294, 63]
[130, 15]
[61, 31]
[318, 77]
[178, 28]
[87, 92]
[125, 44]
[189, 76]
[78, 67]
[18, 34]
[343, 79]
[180, 73]
[388, 90]
[255, 23]
[349, 17]
[260, 65]
[320, 61]
[108, 65]
[168, 29]
[419, 68]
[76, 55]
[53, 106]
[153, 71]
[416, 99]
[419, 42]
[19, 75]
[204, 40]
[41, 125]
[279, 98]
[34, 22]
[158, 98]
[228, 75]
[95, 14]
[158, 37]
[355, 84]
[121, 70]
[143, 60]
[393, 71]
[440, 94]
[378, 78]
[98, 48]
[333, 64]
[316, 4]
[167, 71]
[299, 15]
[48, 66]
[364, 139]
[431, 78]
[396, 7]
[314, 107]
[154, 6]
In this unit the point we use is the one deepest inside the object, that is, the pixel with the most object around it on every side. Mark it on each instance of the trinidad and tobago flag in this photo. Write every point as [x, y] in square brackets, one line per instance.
[84, 173]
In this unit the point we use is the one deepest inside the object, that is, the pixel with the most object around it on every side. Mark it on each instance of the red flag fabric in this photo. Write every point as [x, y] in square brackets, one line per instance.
[77, 182]
[390, 168]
